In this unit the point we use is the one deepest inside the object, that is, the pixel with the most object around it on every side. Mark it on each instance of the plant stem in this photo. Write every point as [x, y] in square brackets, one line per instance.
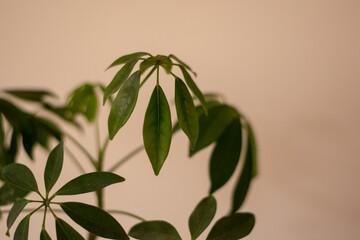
[147, 76]
[126, 158]
[126, 213]
[75, 161]
[81, 147]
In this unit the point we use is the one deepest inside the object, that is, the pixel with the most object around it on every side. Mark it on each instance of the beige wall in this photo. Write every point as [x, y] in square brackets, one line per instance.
[292, 66]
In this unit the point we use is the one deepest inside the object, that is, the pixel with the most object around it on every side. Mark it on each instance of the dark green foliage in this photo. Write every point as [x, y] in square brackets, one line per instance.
[65, 232]
[127, 58]
[9, 194]
[44, 235]
[22, 230]
[15, 210]
[89, 182]
[233, 227]
[124, 104]
[202, 216]
[247, 172]
[211, 126]
[186, 112]
[20, 176]
[53, 167]
[83, 100]
[225, 156]
[154, 230]
[94, 220]
[157, 129]
[30, 95]
[159, 60]
[187, 67]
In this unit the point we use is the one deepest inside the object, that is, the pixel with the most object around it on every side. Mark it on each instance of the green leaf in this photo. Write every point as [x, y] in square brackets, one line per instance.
[20, 176]
[157, 130]
[159, 60]
[186, 112]
[124, 104]
[127, 58]
[182, 63]
[154, 230]
[211, 126]
[226, 155]
[15, 210]
[233, 227]
[83, 100]
[22, 230]
[194, 88]
[9, 194]
[121, 76]
[252, 142]
[202, 216]
[94, 220]
[53, 166]
[31, 95]
[44, 235]
[243, 184]
[89, 182]
[16, 117]
[65, 232]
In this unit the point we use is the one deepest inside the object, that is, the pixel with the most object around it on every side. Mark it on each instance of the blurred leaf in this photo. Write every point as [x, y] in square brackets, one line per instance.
[186, 112]
[121, 76]
[89, 182]
[16, 117]
[20, 176]
[202, 216]
[154, 230]
[211, 126]
[159, 60]
[9, 194]
[65, 232]
[124, 104]
[226, 155]
[31, 95]
[22, 230]
[15, 210]
[94, 220]
[53, 167]
[182, 64]
[127, 58]
[194, 88]
[253, 150]
[83, 100]
[157, 130]
[233, 227]
[44, 235]
[243, 184]
[63, 112]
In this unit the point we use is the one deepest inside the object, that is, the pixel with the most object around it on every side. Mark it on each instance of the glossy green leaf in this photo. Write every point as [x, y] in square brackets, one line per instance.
[44, 235]
[53, 166]
[22, 230]
[243, 184]
[194, 88]
[89, 182]
[66, 232]
[94, 220]
[9, 194]
[226, 155]
[124, 104]
[202, 216]
[31, 95]
[154, 230]
[182, 63]
[15, 210]
[211, 126]
[127, 58]
[159, 60]
[20, 176]
[233, 227]
[186, 112]
[157, 129]
[121, 76]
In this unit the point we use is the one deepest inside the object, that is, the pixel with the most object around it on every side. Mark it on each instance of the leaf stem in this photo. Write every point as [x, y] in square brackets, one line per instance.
[126, 213]
[147, 76]
[74, 160]
[126, 158]
[81, 147]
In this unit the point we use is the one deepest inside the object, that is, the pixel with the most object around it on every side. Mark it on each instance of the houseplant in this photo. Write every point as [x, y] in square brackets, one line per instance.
[204, 118]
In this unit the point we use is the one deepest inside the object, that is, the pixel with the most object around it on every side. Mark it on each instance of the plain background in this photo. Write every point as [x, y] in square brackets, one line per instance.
[293, 67]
